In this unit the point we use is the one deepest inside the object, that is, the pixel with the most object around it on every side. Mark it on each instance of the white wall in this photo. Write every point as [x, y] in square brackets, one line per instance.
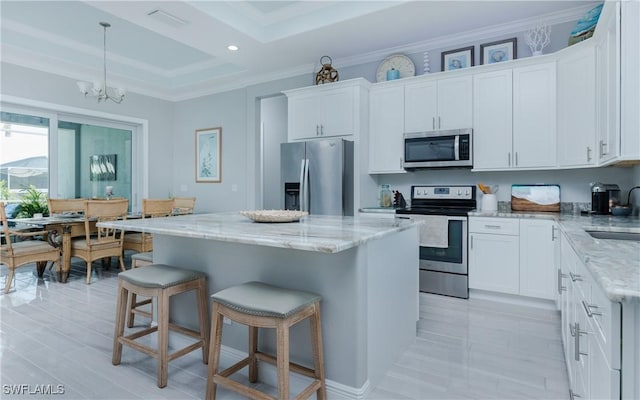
[273, 117]
[44, 87]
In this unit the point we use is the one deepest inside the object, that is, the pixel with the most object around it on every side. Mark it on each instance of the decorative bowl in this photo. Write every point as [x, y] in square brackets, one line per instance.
[274, 215]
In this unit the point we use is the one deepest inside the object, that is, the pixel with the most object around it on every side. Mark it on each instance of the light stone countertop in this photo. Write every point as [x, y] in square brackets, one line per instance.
[325, 234]
[614, 264]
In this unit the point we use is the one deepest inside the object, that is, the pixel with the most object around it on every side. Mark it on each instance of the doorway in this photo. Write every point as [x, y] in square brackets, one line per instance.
[273, 132]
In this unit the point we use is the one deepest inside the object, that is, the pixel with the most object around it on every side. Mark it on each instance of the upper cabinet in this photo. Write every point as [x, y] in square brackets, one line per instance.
[440, 104]
[534, 116]
[334, 109]
[577, 107]
[514, 118]
[492, 119]
[630, 79]
[386, 128]
[608, 85]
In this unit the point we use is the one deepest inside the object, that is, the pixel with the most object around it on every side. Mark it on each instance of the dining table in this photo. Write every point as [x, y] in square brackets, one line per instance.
[61, 229]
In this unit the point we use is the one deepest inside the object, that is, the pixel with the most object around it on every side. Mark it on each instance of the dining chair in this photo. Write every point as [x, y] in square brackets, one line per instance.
[66, 206]
[184, 205]
[62, 206]
[15, 254]
[151, 208]
[107, 242]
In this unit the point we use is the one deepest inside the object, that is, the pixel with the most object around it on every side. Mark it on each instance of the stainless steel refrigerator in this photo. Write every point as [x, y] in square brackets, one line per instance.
[317, 176]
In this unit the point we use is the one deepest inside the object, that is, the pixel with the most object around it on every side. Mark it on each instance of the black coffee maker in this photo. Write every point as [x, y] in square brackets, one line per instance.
[603, 197]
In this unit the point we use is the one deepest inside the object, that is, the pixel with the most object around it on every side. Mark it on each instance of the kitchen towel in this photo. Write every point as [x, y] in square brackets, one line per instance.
[434, 232]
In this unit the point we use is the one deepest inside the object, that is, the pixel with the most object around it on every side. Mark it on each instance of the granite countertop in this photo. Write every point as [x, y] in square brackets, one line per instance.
[379, 210]
[325, 234]
[614, 264]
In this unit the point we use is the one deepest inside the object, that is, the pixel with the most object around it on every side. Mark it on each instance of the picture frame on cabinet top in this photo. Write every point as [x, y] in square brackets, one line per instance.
[499, 51]
[457, 59]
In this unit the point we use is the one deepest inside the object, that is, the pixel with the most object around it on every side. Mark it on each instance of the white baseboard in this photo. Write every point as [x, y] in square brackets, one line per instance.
[513, 299]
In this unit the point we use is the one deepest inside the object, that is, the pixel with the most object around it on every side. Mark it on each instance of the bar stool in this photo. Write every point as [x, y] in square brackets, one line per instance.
[161, 281]
[138, 260]
[259, 305]
[141, 259]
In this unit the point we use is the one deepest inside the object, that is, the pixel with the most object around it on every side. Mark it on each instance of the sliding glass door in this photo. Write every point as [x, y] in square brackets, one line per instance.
[68, 156]
[93, 161]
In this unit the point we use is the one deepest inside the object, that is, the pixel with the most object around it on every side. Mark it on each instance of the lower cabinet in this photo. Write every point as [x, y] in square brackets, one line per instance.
[515, 256]
[591, 331]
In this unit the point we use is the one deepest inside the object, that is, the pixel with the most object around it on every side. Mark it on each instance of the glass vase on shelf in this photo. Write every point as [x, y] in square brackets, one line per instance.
[385, 196]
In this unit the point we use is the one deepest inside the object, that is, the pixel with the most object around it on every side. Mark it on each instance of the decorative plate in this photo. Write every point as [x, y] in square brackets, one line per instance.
[274, 215]
[399, 62]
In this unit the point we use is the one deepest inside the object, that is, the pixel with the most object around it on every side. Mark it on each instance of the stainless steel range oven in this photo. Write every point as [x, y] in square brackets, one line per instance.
[443, 236]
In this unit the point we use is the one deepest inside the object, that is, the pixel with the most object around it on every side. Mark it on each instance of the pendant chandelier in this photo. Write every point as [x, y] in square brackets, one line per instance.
[100, 90]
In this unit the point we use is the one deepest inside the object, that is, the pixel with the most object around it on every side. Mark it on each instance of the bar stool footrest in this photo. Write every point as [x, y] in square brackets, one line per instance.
[293, 367]
[242, 389]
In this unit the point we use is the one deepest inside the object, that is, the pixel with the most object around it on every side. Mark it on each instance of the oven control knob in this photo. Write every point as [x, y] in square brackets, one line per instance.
[459, 192]
[467, 192]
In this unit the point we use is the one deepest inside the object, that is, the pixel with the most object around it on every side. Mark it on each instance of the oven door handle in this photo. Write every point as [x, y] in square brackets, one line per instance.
[449, 217]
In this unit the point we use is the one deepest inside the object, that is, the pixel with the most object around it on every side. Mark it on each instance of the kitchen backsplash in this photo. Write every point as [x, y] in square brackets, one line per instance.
[574, 184]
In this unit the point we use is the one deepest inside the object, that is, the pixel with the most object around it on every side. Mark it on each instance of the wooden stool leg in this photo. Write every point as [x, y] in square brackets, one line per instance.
[253, 361]
[282, 362]
[214, 351]
[163, 338]
[131, 303]
[203, 315]
[121, 309]
[318, 357]
[122, 267]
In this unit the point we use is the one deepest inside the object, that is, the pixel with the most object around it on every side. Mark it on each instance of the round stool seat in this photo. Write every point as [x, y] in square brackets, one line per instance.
[160, 276]
[257, 298]
[148, 256]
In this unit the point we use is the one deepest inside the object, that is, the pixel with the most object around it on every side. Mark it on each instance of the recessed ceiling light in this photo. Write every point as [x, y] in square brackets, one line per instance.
[232, 47]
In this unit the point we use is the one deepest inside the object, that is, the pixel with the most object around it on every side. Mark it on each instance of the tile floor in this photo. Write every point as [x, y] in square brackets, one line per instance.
[61, 334]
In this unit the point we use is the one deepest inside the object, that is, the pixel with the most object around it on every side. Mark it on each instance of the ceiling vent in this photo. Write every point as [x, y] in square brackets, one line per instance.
[167, 18]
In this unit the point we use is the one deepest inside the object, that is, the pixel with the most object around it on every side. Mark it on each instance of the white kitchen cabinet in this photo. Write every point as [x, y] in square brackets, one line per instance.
[492, 119]
[630, 79]
[538, 244]
[515, 256]
[591, 331]
[608, 78]
[534, 116]
[577, 106]
[440, 104]
[386, 128]
[329, 110]
[494, 256]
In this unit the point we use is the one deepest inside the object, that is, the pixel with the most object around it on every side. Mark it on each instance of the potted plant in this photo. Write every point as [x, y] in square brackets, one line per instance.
[33, 202]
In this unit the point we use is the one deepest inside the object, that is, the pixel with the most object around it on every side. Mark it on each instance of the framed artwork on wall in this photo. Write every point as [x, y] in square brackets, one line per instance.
[502, 50]
[102, 167]
[457, 59]
[208, 155]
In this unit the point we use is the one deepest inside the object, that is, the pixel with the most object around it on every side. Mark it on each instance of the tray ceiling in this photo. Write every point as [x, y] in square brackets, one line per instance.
[180, 50]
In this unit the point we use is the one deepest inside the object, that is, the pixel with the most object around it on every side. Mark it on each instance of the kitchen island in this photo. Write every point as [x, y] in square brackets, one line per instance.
[365, 268]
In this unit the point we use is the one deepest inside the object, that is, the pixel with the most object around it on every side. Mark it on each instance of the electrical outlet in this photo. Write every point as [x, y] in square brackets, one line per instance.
[226, 321]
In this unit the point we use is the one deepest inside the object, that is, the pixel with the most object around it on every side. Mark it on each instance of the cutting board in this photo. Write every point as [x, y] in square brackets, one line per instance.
[537, 197]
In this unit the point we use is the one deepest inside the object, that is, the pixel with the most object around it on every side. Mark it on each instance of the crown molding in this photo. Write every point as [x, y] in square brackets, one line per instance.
[233, 81]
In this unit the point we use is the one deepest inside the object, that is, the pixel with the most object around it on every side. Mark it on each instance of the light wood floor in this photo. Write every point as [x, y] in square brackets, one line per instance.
[61, 334]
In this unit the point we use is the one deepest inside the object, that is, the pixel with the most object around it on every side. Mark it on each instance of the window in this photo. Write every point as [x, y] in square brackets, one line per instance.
[56, 153]
[24, 155]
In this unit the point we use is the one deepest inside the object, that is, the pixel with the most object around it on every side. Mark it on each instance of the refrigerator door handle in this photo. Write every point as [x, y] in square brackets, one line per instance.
[306, 185]
[301, 192]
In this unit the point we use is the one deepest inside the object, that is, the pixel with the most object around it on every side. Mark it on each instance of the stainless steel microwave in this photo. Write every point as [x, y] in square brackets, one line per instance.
[438, 149]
